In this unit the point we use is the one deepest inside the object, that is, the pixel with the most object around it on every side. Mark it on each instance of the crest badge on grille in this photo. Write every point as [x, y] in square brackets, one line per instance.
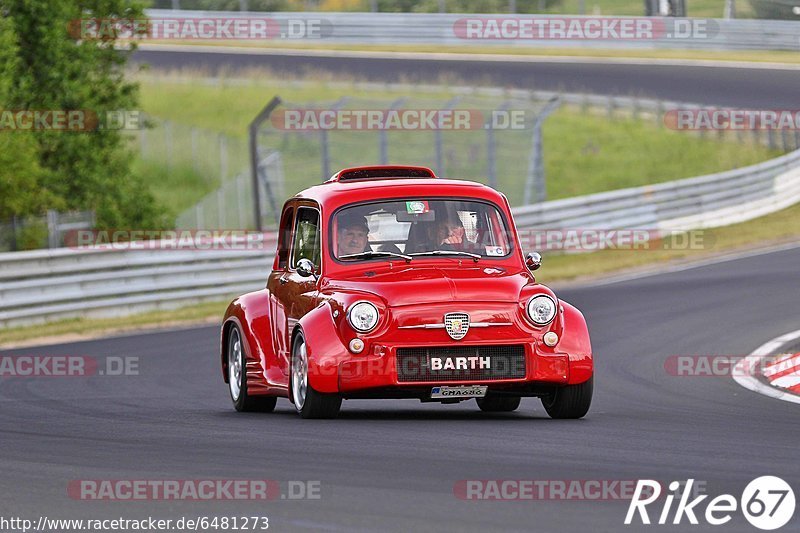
[457, 325]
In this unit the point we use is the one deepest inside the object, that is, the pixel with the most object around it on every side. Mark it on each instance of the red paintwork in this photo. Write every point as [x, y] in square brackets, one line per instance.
[492, 290]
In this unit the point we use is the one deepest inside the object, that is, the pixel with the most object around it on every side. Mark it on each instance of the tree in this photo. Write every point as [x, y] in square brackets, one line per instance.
[53, 69]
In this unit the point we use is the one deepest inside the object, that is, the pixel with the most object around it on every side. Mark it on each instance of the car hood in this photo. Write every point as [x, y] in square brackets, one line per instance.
[435, 284]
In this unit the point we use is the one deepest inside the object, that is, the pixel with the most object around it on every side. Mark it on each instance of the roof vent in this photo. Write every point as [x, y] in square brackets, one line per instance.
[382, 172]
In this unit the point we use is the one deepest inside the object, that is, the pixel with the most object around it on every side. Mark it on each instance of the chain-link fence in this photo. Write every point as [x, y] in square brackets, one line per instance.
[231, 206]
[493, 140]
[212, 155]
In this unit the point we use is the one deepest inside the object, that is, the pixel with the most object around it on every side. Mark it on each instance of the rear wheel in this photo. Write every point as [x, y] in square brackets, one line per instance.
[237, 378]
[498, 404]
[308, 402]
[571, 401]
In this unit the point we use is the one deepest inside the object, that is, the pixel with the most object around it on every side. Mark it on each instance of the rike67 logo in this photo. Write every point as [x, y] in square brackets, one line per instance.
[767, 502]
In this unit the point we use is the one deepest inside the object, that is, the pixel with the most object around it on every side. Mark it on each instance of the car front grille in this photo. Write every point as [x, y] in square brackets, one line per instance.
[460, 363]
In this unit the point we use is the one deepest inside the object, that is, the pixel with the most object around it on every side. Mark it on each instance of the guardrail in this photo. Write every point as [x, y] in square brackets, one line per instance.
[46, 285]
[449, 29]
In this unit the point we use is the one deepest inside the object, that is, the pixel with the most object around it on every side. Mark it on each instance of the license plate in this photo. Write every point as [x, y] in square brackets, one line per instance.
[468, 391]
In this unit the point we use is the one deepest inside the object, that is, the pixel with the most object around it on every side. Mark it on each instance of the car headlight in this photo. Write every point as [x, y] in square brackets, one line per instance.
[362, 316]
[541, 309]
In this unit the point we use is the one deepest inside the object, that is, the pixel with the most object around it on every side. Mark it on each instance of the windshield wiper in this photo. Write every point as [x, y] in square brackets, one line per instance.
[475, 257]
[367, 255]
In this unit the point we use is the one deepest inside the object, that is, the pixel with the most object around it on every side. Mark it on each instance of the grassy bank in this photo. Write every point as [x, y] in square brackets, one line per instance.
[584, 152]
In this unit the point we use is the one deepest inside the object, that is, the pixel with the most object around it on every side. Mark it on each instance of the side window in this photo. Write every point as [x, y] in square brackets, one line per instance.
[306, 237]
[285, 237]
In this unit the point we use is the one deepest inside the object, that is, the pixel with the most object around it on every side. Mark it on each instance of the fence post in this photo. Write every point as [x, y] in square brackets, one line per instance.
[438, 143]
[52, 229]
[730, 10]
[198, 216]
[535, 183]
[221, 219]
[143, 142]
[240, 197]
[14, 233]
[223, 158]
[383, 135]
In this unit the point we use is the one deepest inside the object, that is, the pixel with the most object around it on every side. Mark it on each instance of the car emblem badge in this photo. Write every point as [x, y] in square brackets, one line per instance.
[457, 325]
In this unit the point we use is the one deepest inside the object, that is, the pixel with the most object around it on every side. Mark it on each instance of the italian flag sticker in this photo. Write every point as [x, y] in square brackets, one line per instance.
[417, 207]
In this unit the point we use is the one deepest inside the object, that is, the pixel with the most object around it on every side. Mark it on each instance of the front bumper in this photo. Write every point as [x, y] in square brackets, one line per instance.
[378, 370]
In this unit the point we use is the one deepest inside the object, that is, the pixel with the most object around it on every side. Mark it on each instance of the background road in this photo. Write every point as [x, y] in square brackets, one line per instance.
[734, 87]
[392, 465]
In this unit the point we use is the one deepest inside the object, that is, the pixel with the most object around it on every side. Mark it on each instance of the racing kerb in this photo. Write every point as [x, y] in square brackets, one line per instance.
[45, 285]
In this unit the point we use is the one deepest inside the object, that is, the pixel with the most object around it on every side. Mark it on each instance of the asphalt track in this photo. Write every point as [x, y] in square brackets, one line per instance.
[392, 465]
[735, 87]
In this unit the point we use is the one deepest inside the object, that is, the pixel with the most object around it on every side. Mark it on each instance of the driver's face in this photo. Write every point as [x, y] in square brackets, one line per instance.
[352, 241]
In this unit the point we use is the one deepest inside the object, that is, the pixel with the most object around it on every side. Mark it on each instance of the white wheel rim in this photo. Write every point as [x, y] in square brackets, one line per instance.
[235, 364]
[299, 374]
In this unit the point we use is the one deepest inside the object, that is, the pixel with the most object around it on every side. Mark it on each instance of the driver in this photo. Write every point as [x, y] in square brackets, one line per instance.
[351, 236]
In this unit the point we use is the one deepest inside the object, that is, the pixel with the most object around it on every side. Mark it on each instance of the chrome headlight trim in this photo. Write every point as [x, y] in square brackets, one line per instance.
[350, 311]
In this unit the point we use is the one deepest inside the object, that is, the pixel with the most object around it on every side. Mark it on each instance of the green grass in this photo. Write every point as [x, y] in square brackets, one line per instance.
[584, 152]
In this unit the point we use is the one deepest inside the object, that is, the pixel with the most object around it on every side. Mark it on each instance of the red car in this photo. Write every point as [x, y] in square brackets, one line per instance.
[389, 282]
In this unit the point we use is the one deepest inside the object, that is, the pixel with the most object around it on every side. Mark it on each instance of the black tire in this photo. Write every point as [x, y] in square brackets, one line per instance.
[243, 402]
[498, 404]
[571, 401]
[308, 402]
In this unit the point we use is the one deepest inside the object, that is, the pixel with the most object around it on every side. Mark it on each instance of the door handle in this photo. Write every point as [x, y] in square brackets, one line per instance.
[283, 281]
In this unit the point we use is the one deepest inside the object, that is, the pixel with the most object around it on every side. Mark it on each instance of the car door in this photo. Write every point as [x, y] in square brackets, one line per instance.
[294, 295]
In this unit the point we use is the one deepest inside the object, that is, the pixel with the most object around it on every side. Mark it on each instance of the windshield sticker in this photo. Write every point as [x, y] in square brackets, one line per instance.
[495, 251]
[417, 207]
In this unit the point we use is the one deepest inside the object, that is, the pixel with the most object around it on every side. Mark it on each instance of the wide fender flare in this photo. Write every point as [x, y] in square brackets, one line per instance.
[576, 343]
[324, 348]
[250, 312]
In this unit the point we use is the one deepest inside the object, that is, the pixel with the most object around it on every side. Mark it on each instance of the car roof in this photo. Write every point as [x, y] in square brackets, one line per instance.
[332, 195]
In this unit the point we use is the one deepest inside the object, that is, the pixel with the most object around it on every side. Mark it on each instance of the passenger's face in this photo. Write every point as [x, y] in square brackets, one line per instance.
[449, 231]
[352, 241]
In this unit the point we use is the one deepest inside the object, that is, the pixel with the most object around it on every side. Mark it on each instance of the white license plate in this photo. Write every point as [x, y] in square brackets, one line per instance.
[464, 391]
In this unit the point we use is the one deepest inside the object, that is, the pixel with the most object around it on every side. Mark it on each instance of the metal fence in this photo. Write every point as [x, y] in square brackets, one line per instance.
[231, 206]
[449, 30]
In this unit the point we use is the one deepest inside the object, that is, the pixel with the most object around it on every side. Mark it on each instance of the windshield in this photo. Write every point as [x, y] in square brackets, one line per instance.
[418, 227]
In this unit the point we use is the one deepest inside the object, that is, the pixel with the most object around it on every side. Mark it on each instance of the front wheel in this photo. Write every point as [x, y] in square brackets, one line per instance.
[570, 401]
[237, 378]
[308, 402]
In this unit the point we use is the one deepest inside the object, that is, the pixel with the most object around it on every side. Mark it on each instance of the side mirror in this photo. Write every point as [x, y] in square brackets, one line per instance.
[305, 268]
[533, 261]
